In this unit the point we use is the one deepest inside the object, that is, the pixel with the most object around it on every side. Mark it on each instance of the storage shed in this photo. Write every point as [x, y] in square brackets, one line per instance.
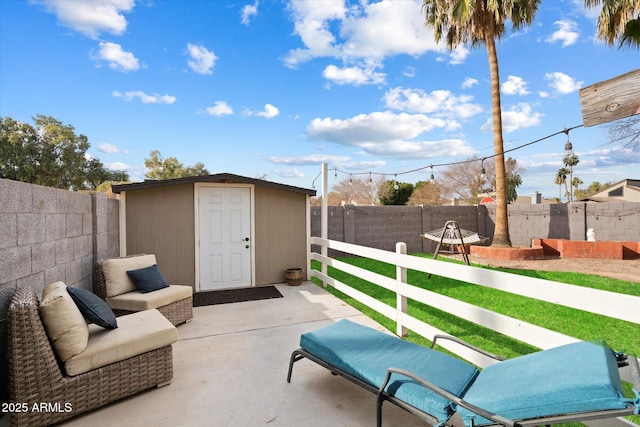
[217, 231]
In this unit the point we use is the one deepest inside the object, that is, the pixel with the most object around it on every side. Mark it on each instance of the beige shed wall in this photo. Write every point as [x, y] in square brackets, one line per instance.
[160, 221]
[281, 236]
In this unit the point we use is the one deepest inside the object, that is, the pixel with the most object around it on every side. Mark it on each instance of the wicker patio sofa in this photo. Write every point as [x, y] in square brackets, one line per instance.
[577, 381]
[38, 376]
[111, 283]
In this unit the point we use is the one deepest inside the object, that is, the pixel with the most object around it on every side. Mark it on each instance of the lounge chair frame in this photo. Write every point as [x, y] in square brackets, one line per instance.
[382, 396]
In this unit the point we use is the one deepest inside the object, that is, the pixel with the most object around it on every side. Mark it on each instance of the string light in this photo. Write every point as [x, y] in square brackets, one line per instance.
[395, 182]
[483, 172]
[568, 147]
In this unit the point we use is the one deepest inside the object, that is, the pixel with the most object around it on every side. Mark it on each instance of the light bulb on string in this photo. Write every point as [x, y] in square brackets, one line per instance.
[568, 147]
[395, 182]
[483, 172]
[432, 178]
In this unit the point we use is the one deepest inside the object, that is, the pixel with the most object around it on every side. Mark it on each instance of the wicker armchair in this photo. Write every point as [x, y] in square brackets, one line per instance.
[177, 312]
[36, 376]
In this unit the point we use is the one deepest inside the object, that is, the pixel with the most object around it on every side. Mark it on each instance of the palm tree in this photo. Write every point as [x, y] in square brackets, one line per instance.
[570, 160]
[561, 178]
[619, 21]
[477, 22]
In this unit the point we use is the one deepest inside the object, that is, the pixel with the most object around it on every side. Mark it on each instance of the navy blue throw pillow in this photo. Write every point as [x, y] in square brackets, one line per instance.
[148, 279]
[94, 309]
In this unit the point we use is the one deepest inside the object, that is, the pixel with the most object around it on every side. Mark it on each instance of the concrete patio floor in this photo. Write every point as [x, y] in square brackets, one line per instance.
[230, 367]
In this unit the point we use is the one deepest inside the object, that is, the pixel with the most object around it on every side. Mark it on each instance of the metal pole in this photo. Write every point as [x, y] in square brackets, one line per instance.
[324, 215]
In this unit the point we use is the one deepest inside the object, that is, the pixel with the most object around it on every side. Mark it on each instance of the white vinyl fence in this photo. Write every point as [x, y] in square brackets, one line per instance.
[614, 305]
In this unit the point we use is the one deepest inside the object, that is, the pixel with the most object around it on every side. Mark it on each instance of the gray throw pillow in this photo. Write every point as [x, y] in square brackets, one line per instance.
[148, 279]
[94, 309]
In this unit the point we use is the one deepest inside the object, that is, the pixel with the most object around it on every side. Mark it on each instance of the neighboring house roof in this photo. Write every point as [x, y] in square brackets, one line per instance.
[219, 178]
[627, 190]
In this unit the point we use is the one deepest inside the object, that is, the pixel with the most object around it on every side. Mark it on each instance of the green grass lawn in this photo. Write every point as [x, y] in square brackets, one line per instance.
[620, 335]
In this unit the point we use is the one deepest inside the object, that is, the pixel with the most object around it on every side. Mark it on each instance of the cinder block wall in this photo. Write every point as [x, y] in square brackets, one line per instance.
[383, 226]
[46, 235]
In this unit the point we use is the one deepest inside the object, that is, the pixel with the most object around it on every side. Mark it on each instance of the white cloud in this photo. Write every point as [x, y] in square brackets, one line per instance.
[202, 60]
[248, 12]
[458, 55]
[91, 17]
[107, 148]
[353, 75]
[409, 72]
[388, 134]
[363, 33]
[442, 103]
[219, 109]
[116, 58]
[514, 86]
[517, 117]
[567, 33]
[563, 83]
[118, 166]
[145, 98]
[269, 112]
[311, 159]
[289, 173]
[469, 82]
[373, 127]
[401, 149]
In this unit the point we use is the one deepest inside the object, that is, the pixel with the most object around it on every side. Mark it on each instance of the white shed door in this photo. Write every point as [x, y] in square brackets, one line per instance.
[225, 231]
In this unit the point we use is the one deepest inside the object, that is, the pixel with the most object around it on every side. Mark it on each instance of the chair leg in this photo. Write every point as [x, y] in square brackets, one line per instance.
[295, 356]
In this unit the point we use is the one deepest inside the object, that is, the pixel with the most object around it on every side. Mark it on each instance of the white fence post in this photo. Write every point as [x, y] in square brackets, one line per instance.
[324, 218]
[401, 300]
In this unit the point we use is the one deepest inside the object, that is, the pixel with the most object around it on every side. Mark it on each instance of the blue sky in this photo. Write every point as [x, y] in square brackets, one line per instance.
[275, 88]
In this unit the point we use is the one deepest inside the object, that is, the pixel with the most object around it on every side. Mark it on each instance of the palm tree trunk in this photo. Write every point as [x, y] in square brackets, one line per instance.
[501, 233]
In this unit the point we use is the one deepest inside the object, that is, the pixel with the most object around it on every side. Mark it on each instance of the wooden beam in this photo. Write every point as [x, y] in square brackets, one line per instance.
[612, 99]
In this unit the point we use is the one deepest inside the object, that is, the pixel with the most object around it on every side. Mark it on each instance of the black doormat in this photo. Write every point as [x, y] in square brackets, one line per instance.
[235, 295]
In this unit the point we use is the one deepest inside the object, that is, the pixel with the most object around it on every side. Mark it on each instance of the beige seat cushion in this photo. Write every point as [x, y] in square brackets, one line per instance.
[137, 301]
[66, 328]
[115, 273]
[137, 333]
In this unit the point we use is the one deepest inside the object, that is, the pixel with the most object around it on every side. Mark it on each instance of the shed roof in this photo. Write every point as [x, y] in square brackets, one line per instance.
[219, 178]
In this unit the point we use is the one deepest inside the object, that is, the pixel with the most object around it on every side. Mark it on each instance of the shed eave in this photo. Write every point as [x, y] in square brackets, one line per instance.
[215, 178]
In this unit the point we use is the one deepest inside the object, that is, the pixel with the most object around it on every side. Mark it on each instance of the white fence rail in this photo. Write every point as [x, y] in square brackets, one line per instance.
[614, 305]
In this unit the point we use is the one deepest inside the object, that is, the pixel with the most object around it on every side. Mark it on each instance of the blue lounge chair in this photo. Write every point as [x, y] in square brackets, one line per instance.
[578, 381]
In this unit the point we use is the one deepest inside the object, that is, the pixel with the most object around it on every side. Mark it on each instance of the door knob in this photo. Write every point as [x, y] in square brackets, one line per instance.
[247, 246]
[246, 239]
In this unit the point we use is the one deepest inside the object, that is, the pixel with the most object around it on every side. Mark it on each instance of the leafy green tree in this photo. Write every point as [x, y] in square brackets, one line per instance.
[160, 168]
[619, 21]
[49, 153]
[395, 193]
[482, 22]
[514, 180]
[593, 188]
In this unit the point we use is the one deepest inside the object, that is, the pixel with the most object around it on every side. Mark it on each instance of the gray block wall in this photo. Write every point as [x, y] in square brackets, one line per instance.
[46, 235]
[383, 226]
